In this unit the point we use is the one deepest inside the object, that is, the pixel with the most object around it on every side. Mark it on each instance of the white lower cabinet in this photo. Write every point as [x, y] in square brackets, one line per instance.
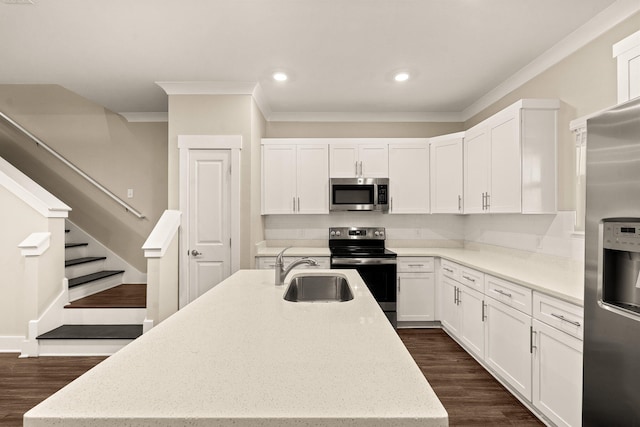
[449, 311]
[557, 375]
[557, 359]
[472, 320]
[508, 345]
[529, 340]
[416, 289]
[462, 312]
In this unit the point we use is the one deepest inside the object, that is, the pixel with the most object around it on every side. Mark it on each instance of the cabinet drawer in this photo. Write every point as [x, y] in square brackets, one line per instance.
[449, 269]
[472, 278]
[561, 315]
[513, 295]
[415, 265]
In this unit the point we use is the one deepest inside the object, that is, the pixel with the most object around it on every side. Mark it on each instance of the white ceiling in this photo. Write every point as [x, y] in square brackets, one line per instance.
[340, 54]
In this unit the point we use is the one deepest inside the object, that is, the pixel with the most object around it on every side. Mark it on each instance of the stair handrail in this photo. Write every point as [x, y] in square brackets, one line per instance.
[73, 167]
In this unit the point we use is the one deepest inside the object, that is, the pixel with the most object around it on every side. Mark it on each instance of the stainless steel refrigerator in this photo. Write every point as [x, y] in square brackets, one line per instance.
[611, 389]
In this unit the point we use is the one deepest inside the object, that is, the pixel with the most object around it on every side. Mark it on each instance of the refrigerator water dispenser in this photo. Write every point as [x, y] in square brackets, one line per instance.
[621, 265]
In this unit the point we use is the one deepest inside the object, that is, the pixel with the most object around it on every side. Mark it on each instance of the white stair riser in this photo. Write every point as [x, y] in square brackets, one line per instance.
[88, 347]
[94, 287]
[83, 269]
[76, 252]
[104, 316]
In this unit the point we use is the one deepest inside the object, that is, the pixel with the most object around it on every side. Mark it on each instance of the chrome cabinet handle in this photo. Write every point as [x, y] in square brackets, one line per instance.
[487, 198]
[501, 292]
[398, 284]
[455, 295]
[459, 203]
[482, 201]
[391, 207]
[484, 315]
[447, 269]
[471, 279]
[294, 204]
[356, 164]
[298, 204]
[459, 292]
[564, 319]
[531, 346]
[416, 265]
[195, 252]
[361, 168]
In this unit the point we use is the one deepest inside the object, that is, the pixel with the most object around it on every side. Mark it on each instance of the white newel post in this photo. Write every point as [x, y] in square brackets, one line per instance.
[32, 249]
[161, 251]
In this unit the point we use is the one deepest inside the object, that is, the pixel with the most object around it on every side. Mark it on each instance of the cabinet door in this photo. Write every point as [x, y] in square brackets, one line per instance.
[446, 176]
[278, 179]
[409, 178]
[557, 375]
[508, 345]
[312, 179]
[448, 305]
[505, 161]
[472, 320]
[374, 160]
[476, 169]
[416, 297]
[343, 160]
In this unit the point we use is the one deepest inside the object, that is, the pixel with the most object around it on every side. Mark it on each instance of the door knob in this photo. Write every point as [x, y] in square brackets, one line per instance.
[195, 253]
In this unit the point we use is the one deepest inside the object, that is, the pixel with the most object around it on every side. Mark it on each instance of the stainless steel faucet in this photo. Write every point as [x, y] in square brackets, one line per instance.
[282, 272]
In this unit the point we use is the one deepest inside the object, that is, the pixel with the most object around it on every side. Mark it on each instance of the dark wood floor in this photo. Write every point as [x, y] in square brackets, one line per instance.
[470, 394]
[27, 382]
[121, 296]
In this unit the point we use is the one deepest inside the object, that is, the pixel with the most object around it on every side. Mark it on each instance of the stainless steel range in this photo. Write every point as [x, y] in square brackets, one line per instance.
[362, 249]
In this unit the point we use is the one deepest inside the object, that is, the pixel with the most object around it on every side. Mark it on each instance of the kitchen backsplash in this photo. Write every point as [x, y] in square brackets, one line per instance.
[544, 234]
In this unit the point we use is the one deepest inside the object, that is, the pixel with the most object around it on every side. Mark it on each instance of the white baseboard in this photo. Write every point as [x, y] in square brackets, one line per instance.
[11, 344]
[147, 325]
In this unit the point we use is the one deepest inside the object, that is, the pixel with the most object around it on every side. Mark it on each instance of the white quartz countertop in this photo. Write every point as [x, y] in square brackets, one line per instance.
[555, 276]
[242, 355]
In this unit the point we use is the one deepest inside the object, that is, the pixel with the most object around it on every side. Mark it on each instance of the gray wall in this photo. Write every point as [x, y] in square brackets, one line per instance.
[117, 154]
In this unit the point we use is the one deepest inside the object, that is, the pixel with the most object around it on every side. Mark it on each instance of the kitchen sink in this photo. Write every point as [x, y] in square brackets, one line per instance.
[318, 288]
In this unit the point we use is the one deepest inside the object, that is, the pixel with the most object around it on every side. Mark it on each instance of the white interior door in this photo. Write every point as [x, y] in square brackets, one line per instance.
[209, 233]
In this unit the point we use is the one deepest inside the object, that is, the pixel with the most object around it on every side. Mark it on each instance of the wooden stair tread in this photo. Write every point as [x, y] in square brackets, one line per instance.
[81, 280]
[83, 260]
[77, 332]
[121, 296]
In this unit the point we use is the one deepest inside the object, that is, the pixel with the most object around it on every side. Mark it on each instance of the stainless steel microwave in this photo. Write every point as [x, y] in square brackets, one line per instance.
[359, 194]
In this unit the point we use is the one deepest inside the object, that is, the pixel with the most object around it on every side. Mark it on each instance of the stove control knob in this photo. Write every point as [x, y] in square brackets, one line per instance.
[338, 233]
[377, 233]
[333, 233]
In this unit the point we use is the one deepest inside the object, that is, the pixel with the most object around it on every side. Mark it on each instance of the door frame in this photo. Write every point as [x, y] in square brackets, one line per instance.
[186, 143]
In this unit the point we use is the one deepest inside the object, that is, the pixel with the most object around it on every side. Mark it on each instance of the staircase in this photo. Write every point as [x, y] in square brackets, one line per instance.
[103, 314]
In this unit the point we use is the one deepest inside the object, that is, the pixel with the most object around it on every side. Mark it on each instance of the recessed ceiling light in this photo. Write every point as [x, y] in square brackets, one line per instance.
[280, 77]
[401, 76]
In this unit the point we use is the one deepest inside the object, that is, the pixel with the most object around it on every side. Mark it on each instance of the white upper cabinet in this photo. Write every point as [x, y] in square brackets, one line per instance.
[510, 160]
[409, 178]
[295, 178]
[350, 159]
[627, 54]
[446, 182]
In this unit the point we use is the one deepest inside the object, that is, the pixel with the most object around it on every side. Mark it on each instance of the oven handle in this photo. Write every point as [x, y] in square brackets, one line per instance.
[363, 261]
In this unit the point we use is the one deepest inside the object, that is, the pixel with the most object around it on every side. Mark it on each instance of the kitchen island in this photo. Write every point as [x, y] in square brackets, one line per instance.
[241, 355]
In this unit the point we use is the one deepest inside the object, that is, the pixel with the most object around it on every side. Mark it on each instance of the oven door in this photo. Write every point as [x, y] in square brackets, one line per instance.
[379, 274]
